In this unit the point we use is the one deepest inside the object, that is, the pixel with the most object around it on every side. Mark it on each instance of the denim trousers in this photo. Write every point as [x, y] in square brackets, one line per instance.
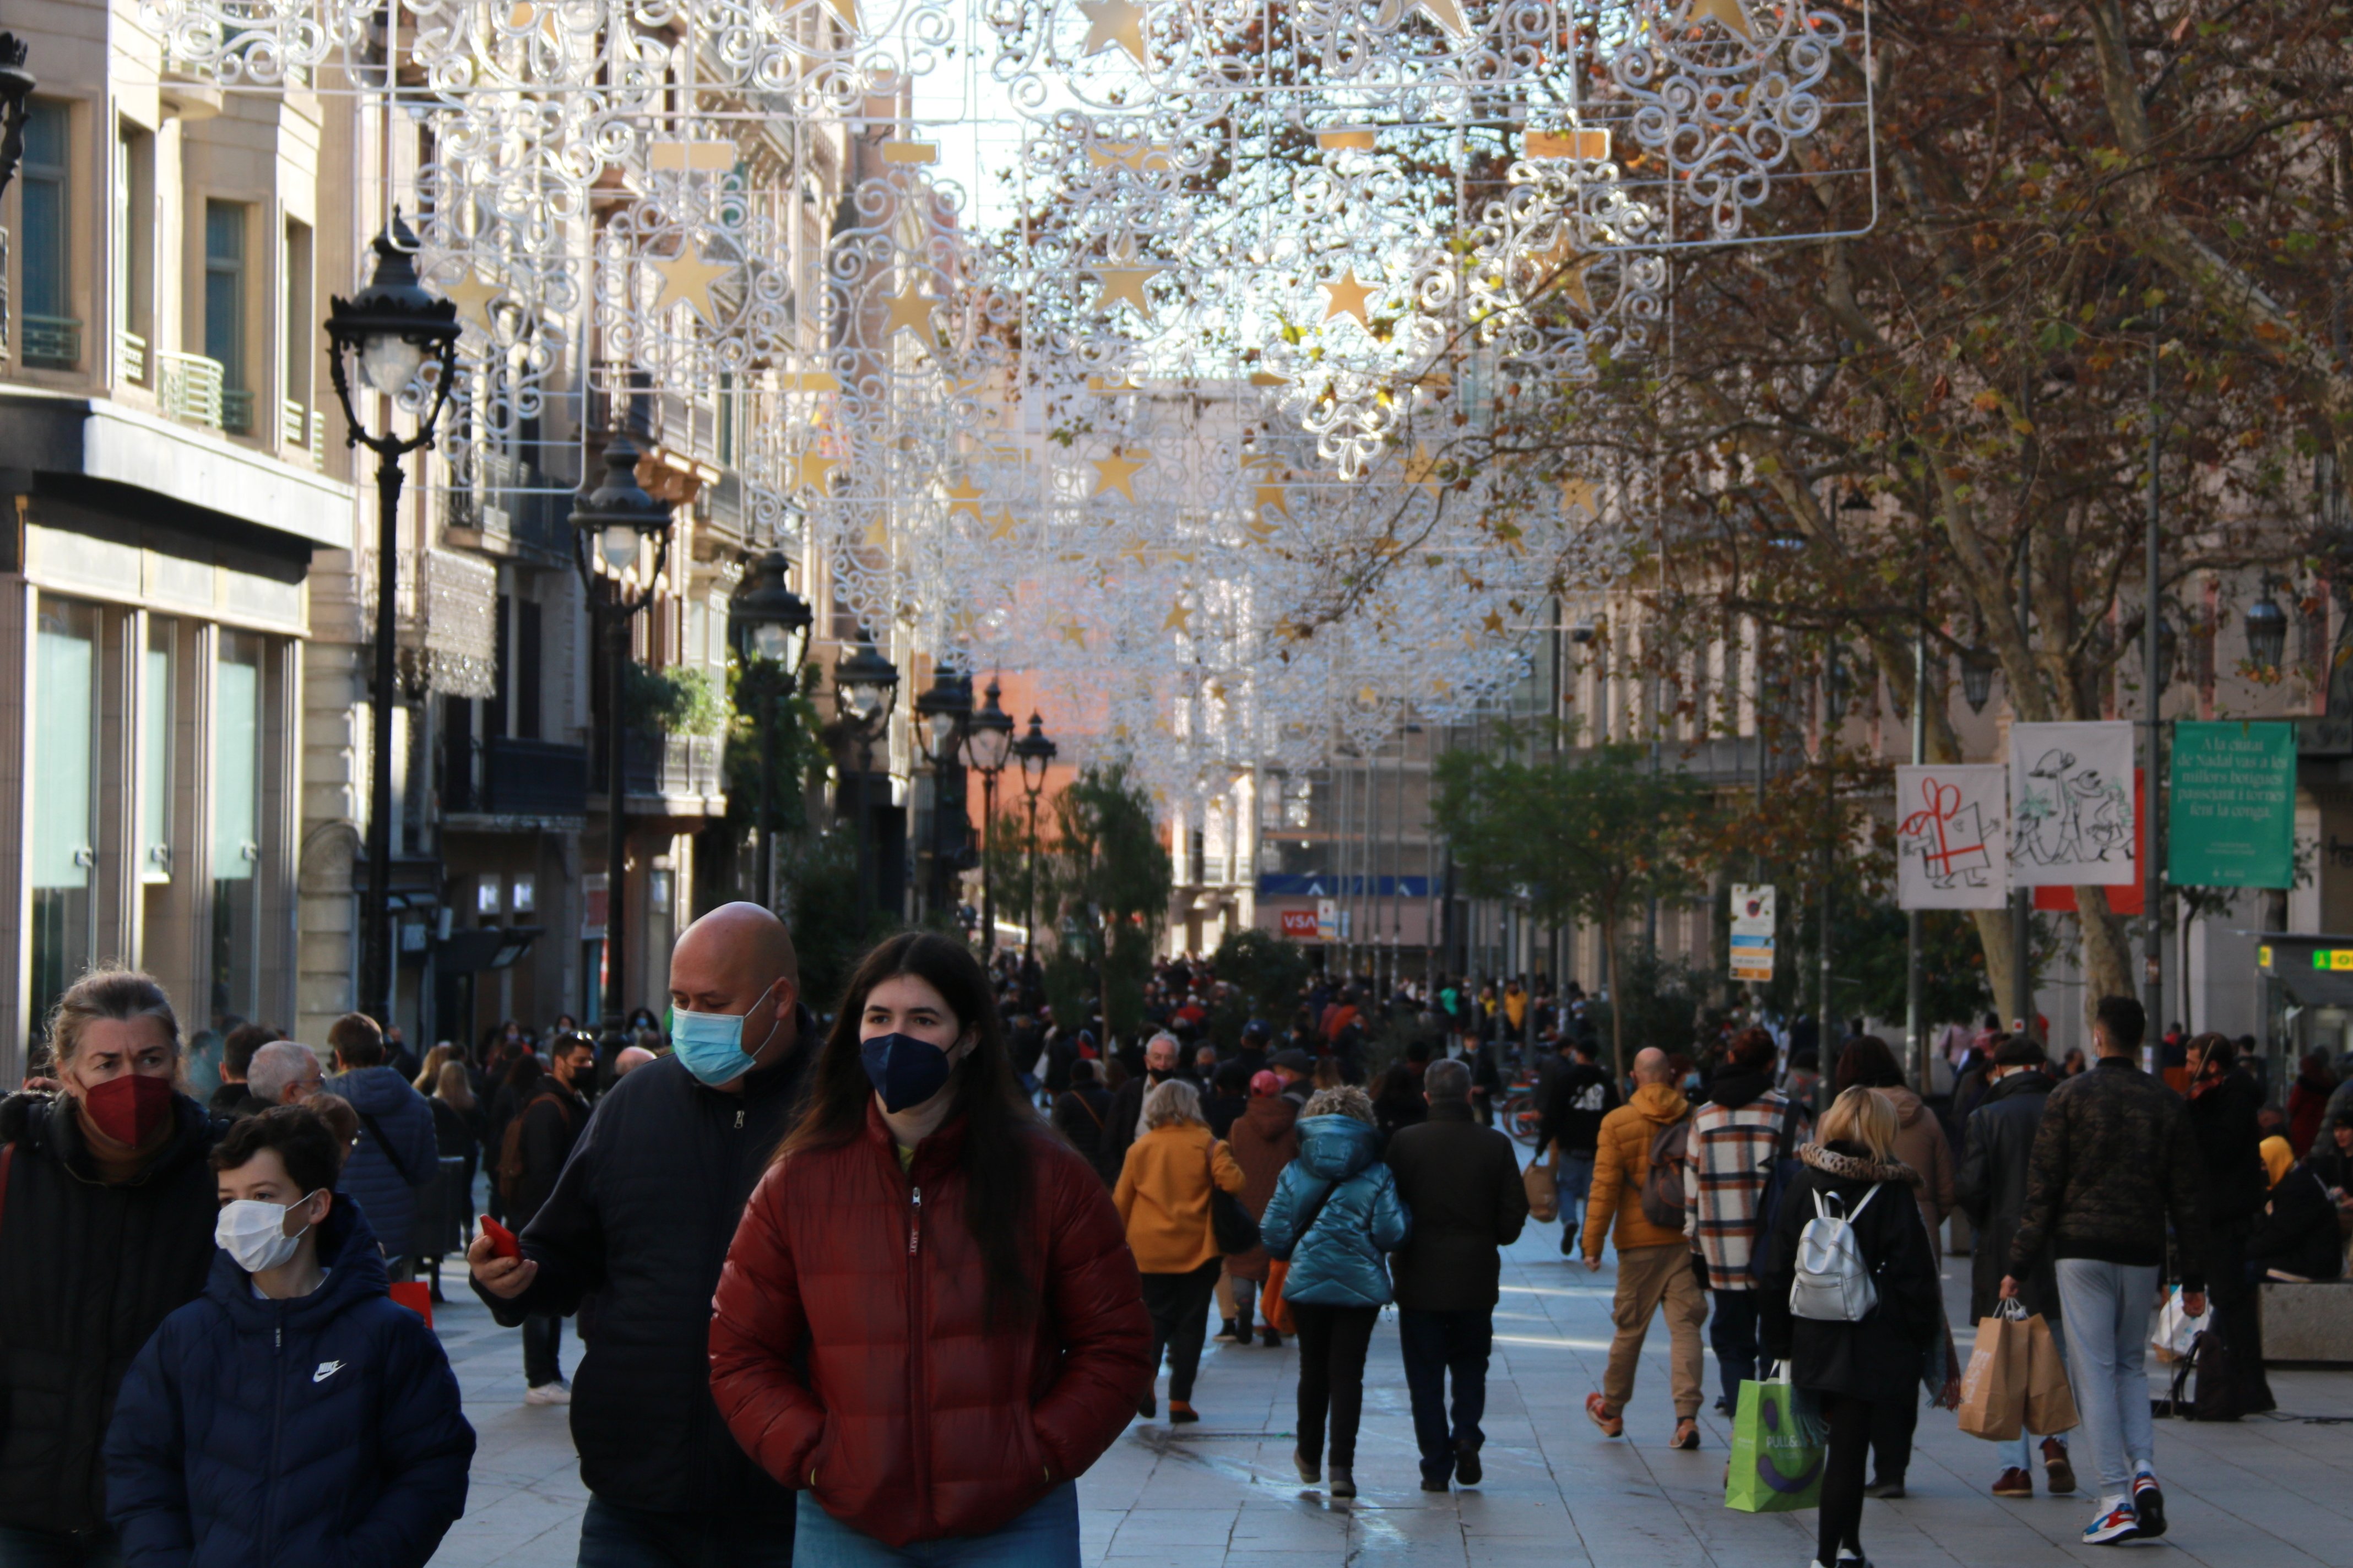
[1732, 1335]
[614, 1535]
[1045, 1536]
[1572, 1177]
[2106, 1307]
[1438, 1345]
[53, 1549]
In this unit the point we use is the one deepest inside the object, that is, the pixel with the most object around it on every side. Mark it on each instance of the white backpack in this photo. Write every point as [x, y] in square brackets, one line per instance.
[1833, 1285]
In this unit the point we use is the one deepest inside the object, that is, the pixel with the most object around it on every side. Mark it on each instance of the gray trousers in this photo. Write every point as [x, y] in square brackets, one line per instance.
[2106, 1307]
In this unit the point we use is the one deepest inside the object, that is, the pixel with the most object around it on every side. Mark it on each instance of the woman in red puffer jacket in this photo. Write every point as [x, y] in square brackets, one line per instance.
[929, 1321]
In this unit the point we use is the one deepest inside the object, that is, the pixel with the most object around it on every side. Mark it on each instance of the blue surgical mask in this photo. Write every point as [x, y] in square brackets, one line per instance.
[906, 1071]
[712, 1045]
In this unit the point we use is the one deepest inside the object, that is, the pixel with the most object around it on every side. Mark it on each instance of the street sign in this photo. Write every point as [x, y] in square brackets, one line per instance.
[1752, 930]
[1299, 925]
[1328, 920]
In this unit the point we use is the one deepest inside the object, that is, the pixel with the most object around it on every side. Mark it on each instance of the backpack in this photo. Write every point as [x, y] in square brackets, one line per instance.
[1662, 1183]
[1833, 1285]
[509, 1169]
[2214, 1393]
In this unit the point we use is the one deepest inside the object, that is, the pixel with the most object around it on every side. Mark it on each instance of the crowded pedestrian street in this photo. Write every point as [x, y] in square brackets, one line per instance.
[2271, 1493]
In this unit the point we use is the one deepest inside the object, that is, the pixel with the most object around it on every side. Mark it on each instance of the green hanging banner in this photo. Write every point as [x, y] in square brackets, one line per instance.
[2230, 817]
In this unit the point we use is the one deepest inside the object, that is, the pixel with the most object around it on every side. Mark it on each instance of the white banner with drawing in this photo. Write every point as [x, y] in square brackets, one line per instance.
[1952, 836]
[2071, 806]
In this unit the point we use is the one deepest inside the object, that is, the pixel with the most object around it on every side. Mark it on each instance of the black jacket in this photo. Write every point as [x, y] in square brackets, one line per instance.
[1081, 1114]
[637, 1227]
[1119, 1124]
[1582, 1095]
[2297, 1233]
[234, 1100]
[87, 1271]
[2113, 1162]
[552, 1123]
[1461, 1183]
[1996, 1147]
[1884, 1357]
[2230, 1141]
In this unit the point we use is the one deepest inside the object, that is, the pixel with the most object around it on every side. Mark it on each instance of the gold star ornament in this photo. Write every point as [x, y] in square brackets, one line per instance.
[688, 276]
[911, 312]
[1118, 471]
[1726, 14]
[1348, 297]
[472, 294]
[1114, 22]
[1114, 284]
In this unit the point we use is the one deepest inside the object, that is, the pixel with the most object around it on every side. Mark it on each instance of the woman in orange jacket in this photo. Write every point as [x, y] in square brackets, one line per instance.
[1163, 1199]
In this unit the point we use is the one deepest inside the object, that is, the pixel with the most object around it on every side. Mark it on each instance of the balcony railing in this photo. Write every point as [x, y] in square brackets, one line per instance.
[302, 429]
[672, 765]
[131, 358]
[53, 342]
[189, 388]
[500, 777]
[236, 411]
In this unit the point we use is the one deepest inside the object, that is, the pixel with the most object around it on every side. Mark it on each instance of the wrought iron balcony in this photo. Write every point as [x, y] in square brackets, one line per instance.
[502, 777]
[53, 342]
[131, 358]
[189, 388]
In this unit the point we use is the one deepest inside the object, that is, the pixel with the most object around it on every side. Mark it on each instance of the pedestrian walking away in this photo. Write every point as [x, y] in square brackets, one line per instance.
[927, 1324]
[1998, 1145]
[107, 1229]
[398, 1151]
[1580, 1095]
[1162, 1200]
[1265, 1140]
[537, 1142]
[1335, 1216]
[1654, 1267]
[1082, 1113]
[1856, 1192]
[1737, 1139]
[292, 1412]
[1461, 1183]
[2114, 1169]
[1125, 1122]
[639, 1221]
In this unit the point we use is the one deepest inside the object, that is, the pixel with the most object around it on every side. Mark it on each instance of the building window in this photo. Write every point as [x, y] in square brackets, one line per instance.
[52, 334]
[237, 829]
[155, 755]
[225, 310]
[61, 853]
[134, 252]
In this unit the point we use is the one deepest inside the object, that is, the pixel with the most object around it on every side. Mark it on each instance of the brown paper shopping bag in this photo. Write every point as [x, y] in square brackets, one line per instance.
[2050, 1403]
[1993, 1390]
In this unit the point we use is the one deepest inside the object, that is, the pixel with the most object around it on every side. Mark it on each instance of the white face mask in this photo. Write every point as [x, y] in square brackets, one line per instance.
[254, 1233]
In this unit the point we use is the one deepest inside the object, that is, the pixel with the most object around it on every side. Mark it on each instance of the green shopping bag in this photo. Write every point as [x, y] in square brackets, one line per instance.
[1775, 1468]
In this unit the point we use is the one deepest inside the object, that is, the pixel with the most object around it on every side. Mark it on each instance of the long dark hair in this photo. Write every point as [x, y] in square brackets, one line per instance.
[999, 1122]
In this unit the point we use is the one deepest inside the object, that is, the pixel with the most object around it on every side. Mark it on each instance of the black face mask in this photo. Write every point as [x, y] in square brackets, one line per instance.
[906, 1071]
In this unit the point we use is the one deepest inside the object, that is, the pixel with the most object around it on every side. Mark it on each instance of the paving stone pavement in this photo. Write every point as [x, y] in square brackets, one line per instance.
[2267, 1493]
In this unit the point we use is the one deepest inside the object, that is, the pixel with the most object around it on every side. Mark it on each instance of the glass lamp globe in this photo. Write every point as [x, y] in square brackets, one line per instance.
[618, 544]
[389, 360]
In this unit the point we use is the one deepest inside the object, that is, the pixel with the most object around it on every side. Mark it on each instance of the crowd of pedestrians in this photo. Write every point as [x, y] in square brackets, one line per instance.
[880, 1291]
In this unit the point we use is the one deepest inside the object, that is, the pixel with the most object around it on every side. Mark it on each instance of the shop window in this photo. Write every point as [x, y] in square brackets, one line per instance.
[237, 829]
[61, 855]
[156, 717]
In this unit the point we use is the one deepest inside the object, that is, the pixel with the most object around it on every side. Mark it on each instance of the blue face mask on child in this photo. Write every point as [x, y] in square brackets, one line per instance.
[712, 1045]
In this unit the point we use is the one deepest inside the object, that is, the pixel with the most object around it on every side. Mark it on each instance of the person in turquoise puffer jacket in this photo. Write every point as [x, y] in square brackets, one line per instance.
[1335, 1215]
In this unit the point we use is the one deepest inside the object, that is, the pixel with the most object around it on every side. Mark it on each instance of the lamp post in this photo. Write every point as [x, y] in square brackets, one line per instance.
[988, 745]
[770, 626]
[17, 86]
[609, 525]
[394, 326]
[942, 713]
[2266, 630]
[1037, 754]
[864, 684]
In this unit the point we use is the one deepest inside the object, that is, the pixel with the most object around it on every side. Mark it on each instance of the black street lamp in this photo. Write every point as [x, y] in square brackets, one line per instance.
[609, 524]
[394, 326]
[864, 684]
[989, 746]
[1037, 754]
[17, 86]
[770, 626]
[941, 715]
[2266, 630]
[1978, 665]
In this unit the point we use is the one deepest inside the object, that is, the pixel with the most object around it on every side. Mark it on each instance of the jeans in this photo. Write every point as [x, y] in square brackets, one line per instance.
[1437, 1346]
[1245, 1302]
[1332, 1345]
[1045, 1536]
[52, 1549]
[2104, 1307]
[614, 1535]
[1572, 1177]
[541, 1335]
[1839, 1521]
[1180, 1305]
[2019, 1453]
[1732, 1333]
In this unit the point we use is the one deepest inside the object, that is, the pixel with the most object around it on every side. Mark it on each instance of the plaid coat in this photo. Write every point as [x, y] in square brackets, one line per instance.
[1730, 1156]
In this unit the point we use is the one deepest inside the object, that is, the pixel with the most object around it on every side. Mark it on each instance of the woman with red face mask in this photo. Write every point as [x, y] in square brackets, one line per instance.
[107, 1206]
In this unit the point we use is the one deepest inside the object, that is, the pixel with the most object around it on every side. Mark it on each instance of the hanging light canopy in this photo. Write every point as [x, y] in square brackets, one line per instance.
[619, 513]
[988, 737]
[770, 622]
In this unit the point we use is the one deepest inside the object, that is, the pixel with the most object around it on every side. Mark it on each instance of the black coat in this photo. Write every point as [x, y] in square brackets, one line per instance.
[2297, 1233]
[1461, 1183]
[637, 1227]
[552, 1123]
[1119, 1124]
[87, 1271]
[1883, 1357]
[2230, 1141]
[1995, 1146]
[1082, 1115]
[1576, 1098]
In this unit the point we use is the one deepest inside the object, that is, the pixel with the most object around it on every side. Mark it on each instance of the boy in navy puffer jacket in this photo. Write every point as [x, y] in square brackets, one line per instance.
[291, 1414]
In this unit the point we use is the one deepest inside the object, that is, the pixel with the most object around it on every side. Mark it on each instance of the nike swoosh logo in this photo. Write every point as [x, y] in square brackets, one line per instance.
[327, 1369]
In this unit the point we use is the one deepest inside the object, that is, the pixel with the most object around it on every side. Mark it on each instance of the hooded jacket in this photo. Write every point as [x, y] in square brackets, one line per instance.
[1996, 1145]
[88, 1269]
[1883, 1357]
[324, 1429]
[1921, 1143]
[1341, 1260]
[854, 1352]
[382, 1181]
[1620, 1161]
[1265, 1138]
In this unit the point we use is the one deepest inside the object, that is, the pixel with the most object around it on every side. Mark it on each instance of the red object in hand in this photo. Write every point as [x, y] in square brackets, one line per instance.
[503, 1240]
[413, 1294]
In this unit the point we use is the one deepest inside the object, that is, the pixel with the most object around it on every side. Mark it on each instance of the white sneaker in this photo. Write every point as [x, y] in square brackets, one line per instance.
[555, 1393]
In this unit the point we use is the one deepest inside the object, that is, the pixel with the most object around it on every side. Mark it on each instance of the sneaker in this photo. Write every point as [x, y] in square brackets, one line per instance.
[1179, 1413]
[2057, 1473]
[1466, 1468]
[1686, 1435]
[556, 1392]
[1851, 1558]
[1568, 1241]
[1431, 1483]
[2149, 1503]
[2014, 1482]
[1309, 1470]
[2116, 1521]
[1229, 1333]
[1612, 1425]
[1890, 1490]
[1344, 1481]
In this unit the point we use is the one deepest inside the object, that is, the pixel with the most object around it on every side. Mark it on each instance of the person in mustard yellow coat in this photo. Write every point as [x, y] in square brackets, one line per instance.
[1653, 1262]
[1163, 1199]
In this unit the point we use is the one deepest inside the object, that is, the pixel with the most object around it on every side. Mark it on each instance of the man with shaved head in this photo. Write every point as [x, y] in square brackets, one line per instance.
[641, 1217]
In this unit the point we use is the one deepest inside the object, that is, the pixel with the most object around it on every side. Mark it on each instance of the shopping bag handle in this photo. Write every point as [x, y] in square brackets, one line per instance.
[2011, 1309]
